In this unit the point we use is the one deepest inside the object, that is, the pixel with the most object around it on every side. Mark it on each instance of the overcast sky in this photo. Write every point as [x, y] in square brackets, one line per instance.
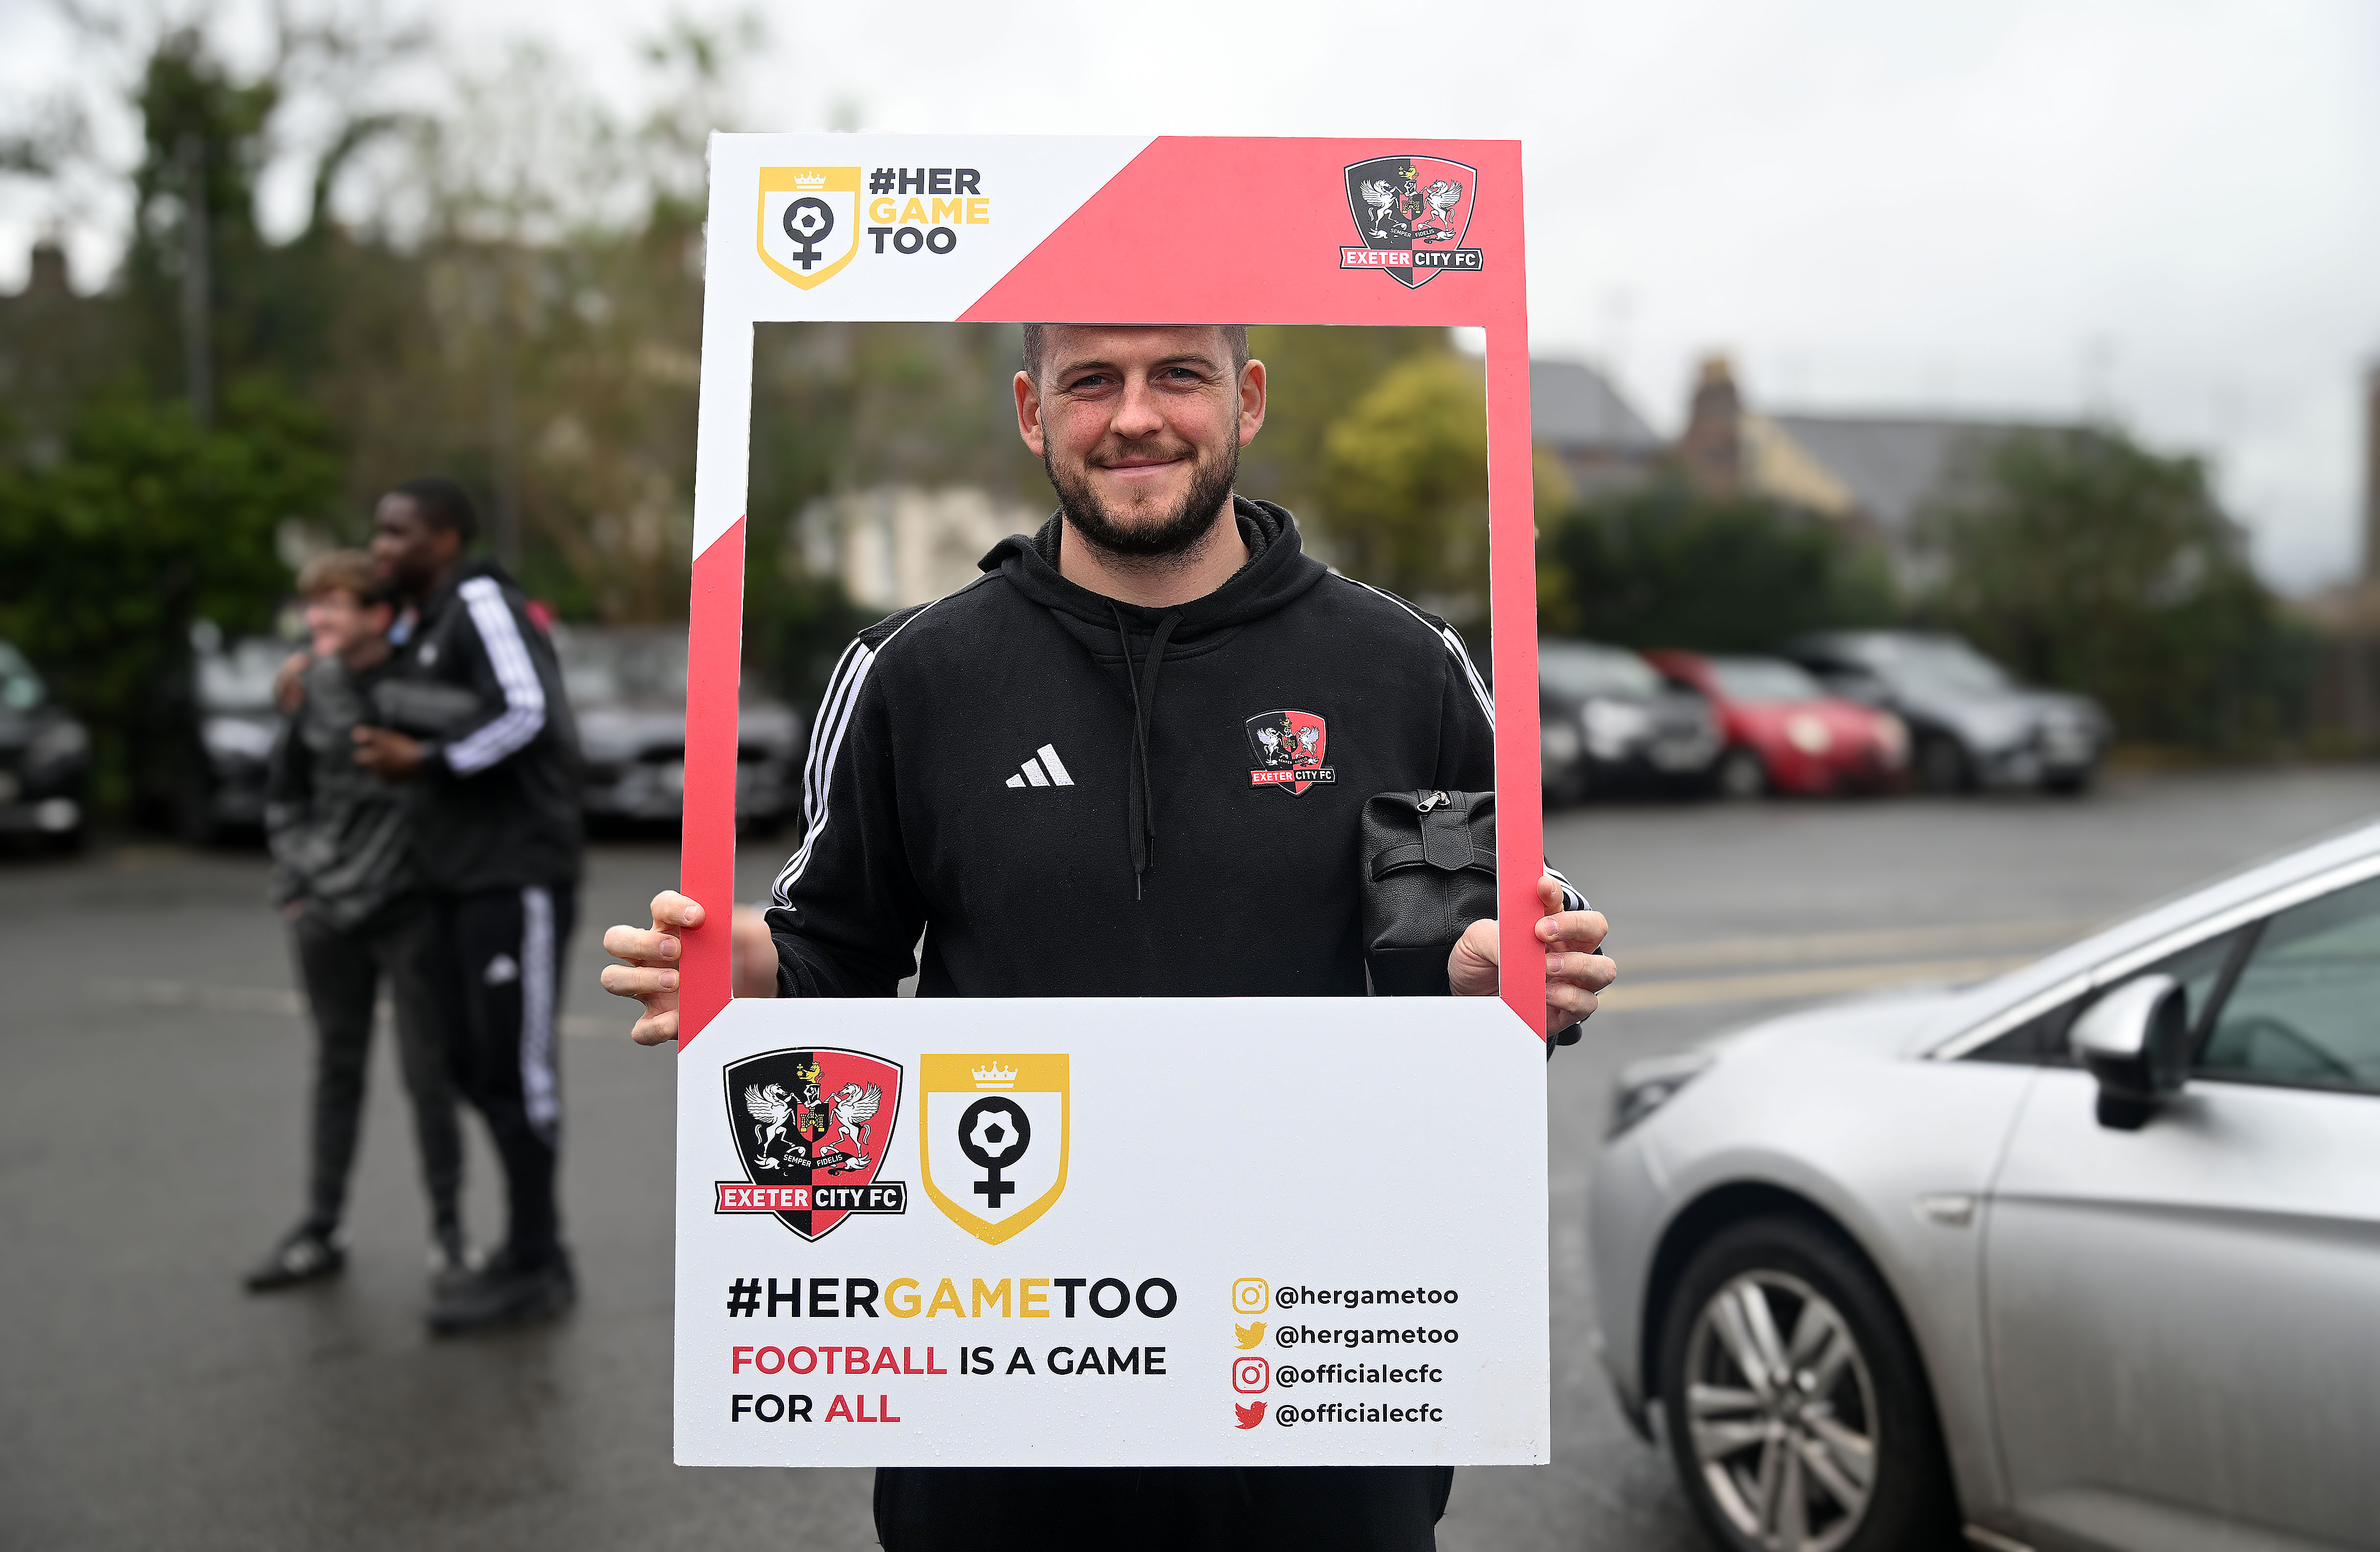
[2163, 209]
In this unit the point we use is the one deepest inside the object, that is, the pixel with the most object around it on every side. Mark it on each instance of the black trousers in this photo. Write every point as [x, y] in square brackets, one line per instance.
[1180, 1509]
[342, 971]
[491, 962]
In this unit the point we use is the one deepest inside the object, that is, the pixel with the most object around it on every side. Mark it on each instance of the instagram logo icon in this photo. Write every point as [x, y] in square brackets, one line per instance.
[1251, 1375]
[1249, 1296]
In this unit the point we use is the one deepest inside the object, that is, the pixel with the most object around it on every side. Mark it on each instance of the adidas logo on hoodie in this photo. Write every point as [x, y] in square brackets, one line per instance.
[1044, 770]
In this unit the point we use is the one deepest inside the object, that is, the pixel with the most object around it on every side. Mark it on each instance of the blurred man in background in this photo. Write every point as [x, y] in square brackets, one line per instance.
[480, 725]
[344, 876]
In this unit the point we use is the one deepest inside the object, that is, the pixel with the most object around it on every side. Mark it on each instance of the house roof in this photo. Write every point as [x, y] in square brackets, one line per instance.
[1571, 405]
[1892, 464]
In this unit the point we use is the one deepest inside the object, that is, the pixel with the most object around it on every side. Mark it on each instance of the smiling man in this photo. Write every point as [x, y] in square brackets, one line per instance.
[1048, 774]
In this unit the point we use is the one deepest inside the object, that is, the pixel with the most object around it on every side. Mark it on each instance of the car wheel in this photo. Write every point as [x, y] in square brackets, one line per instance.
[1798, 1414]
[2071, 783]
[1740, 775]
[1943, 766]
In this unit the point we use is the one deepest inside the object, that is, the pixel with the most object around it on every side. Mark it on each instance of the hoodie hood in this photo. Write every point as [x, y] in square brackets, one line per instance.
[476, 566]
[1278, 571]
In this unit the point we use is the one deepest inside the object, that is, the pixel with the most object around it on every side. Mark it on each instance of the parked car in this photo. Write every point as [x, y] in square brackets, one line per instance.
[1606, 722]
[1783, 733]
[1971, 724]
[220, 790]
[44, 759]
[627, 687]
[2087, 1256]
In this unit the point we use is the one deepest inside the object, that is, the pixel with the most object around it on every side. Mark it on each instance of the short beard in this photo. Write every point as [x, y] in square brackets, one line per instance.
[1171, 541]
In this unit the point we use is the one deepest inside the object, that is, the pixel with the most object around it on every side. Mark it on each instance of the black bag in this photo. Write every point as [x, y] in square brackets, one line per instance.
[1429, 872]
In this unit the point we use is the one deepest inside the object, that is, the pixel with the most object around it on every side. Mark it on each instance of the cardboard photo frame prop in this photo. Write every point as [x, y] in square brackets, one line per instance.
[794, 1347]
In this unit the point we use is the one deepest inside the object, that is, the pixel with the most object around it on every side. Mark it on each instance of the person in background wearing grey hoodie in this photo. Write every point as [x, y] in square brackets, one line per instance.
[344, 876]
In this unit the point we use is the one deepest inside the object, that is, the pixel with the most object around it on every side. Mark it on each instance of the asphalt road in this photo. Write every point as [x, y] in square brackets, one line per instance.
[152, 1071]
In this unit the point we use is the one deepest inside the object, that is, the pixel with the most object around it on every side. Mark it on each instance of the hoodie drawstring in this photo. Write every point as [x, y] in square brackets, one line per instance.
[1140, 819]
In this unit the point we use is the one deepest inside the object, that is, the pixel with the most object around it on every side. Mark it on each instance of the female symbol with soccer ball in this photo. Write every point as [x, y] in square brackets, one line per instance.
[994, 1133]
[809, 219]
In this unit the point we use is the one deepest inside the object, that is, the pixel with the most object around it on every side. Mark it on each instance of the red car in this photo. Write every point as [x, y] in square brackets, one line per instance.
[1784, 733]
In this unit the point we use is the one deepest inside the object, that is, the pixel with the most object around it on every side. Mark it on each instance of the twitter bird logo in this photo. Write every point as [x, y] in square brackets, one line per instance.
[1250, 1336]
[1250, 1414]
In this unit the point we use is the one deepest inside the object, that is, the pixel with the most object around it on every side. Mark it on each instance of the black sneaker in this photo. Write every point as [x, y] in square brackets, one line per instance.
[453, 1259]
[504, 1293]
[308, 1255]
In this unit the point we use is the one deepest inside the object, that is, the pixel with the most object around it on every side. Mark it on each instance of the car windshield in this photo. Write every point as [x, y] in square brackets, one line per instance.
[1950, 667]
[20, 688]
[240, 677]
[1580, 669]
[607, 668]
[1763, 679]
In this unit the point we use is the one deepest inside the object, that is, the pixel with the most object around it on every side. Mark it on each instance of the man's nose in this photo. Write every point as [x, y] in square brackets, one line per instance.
[1138, 413]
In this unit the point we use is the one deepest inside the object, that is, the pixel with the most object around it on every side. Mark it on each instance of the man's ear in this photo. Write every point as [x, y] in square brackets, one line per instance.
[1252, 400]
[1028, 416]
[379, 617]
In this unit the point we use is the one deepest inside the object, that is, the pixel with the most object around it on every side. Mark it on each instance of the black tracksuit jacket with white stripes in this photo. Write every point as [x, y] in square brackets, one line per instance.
[933, 800]
[496, 807]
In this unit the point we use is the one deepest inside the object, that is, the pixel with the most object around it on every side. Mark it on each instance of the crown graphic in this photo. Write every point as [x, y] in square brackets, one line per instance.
[809, 180]
[994, 1076]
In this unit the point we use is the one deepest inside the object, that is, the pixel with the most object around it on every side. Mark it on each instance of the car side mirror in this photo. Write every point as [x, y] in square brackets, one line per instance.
[2135, 1040]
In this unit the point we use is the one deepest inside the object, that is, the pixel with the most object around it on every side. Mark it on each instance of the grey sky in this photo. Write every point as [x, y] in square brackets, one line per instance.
[2162, 209]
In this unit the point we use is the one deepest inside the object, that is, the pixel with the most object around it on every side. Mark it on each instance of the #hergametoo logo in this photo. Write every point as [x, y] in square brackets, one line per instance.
[812, 1127]
[1288, 747]
[1411, 212]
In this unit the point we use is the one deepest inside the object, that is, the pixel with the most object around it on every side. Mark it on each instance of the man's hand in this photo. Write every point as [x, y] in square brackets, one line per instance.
[1575, 972]
[388, 754]
[651, 974]
[289, 682]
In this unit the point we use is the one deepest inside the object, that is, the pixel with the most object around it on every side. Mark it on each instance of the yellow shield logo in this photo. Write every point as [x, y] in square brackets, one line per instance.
[809, 221]
[992, 1133]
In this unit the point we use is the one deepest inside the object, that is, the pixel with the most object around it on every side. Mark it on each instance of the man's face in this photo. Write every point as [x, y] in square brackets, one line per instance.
[338, 622]
[409, 549]
[1140, 430]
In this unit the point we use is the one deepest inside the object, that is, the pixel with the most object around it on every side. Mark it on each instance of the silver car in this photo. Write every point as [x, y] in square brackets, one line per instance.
[2086, 1256]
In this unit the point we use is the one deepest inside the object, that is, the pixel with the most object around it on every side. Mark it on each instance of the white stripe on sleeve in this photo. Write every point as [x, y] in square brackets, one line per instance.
[826, 743]
[524, 711]
[1453, 645]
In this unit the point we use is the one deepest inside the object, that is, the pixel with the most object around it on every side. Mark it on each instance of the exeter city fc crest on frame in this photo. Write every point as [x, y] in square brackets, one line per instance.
[809, 221]
[1411, 213]
[993, 1133]
[812, 1127]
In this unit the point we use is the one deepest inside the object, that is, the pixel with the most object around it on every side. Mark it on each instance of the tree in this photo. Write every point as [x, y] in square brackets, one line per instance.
[146, 525]
[2082, 560]
[1405, 476]
[1662, 566]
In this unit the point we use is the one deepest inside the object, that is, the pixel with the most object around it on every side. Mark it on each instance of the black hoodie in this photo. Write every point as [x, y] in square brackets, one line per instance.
[978, 771]
[496, 805]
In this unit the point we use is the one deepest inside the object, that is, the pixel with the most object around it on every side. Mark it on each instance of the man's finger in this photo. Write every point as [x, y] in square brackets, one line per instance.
[673, 909]
[655, 1029]
[639, 947]
[1575, 1000]
[1592, 971]
[1584, 928]
[639, 981]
